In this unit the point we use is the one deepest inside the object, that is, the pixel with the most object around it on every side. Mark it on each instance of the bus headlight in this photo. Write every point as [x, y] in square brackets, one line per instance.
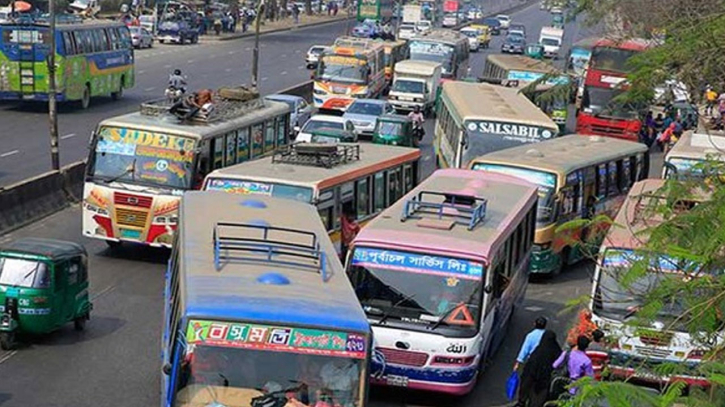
[166, 220]
[96, 209]
[319, 92]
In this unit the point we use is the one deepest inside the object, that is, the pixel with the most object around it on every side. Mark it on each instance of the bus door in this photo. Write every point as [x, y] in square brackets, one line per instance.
[31, 48]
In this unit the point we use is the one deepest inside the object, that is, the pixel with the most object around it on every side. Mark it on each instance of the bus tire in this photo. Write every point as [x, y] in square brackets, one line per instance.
[564, 261]
[119, 94]
[7, 340]
[195, 39]
[112, 244]
[86, 98]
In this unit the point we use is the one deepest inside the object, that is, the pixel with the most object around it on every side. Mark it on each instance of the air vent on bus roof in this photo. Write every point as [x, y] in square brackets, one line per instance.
[445, 209]
[534, 153]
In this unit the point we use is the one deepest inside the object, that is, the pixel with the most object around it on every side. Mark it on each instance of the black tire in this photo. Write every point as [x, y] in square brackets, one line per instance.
[113, 244]
[564, 262]
[7, 340]
[195, 39]
[119, 94]
[86, 98]
[161, 41]
[79, 324]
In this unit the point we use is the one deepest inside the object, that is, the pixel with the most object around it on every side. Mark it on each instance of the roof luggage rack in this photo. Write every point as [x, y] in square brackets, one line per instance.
[467, 210]
[318, 154]
[353, 42]
[227, 103]
[261, 243]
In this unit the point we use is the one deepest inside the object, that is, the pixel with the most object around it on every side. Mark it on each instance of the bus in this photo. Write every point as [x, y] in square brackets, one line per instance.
[446, 47]
[578, 177]
[352, 68]
[686, 159]
[378, 10]
[599, 113]
[141, 163]
[637, 351]
[366, 178]
[524, 70]
[476, 118]
[274, 325]
[93, 59]
[439, 275]
[395, 51]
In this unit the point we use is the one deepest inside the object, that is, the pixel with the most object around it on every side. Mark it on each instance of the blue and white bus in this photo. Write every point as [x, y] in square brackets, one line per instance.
[258, 309]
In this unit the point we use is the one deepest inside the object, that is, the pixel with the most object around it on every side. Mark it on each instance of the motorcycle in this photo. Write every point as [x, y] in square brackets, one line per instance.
[418, 131]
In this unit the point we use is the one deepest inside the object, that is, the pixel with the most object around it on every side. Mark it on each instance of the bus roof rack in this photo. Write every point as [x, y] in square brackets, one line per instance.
[509, 83]
[468, 210]
[227, 103]
[262, 243]
[326, 155]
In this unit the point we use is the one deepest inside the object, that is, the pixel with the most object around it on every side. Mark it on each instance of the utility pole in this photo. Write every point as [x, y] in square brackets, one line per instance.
[255, 54]
[52, 103]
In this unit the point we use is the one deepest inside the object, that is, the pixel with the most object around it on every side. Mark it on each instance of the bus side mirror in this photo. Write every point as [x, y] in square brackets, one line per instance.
[166, 369]
[488, 289]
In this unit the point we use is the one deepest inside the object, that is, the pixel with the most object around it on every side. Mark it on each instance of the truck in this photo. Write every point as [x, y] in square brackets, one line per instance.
[450, 13]
[412, 13]
[415, 83]
[551, 38]
[377, 10]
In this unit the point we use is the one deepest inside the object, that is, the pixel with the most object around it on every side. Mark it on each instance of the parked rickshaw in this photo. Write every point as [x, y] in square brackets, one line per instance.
[535, 51]
[395, 130]
[43, 286]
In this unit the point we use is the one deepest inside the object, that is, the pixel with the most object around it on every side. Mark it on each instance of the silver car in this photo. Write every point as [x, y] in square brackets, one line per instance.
[363, 113]
[313, 55]
[141, 37]
[300, 110]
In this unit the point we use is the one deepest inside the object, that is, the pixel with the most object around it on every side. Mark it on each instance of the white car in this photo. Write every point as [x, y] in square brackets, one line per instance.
[320, 122]
[407, 31]
[313, 55]
[423, 26]
[472, 34]
[504, 20]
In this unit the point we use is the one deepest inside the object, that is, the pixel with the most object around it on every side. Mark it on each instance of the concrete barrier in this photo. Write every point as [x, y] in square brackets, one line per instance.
[35, 198]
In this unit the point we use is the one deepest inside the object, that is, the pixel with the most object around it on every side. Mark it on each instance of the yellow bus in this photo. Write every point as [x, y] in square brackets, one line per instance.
[686, 158]
[478, 118]
[578, 177]
[363, 178]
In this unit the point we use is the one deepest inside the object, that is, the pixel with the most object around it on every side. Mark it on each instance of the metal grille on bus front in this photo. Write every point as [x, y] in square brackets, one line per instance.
[603, 130]
[120, 198]
[404, 357]
[131, 217]
[653, 352]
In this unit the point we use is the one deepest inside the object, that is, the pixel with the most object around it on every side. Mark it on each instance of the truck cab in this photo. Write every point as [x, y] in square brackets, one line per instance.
[415, 83]
[551, 38]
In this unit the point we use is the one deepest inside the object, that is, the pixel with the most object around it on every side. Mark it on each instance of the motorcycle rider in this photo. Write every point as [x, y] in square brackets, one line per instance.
[177, 81]
[418, 119]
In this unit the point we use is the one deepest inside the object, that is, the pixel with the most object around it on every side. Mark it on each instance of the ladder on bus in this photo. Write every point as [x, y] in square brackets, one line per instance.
[467, 210]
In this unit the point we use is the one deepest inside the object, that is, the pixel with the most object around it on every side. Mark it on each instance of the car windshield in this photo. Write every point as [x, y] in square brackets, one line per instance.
[142, 157]
[514, 39]
[407, 86]
[470, 33]
[502, 18]
[314, 125]
[622, 301]
[366, 108]
[317, 50]
[407, 28]
[546, 182]
[342, 69]
[426, 290]
[24, 273]
[601, 102]
[389, 129]
[611, 59]
[226, 376]
[550, 42]
[491, 22]
[250, 187]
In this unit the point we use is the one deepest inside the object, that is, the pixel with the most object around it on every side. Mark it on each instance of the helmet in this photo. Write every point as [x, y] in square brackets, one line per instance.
[177, 71]
[416, 109]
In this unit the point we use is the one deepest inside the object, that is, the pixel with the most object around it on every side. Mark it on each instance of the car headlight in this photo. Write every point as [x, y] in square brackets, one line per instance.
[319, 92]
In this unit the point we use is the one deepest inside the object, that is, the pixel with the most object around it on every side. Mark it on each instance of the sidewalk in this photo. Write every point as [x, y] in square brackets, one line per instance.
[275, 26]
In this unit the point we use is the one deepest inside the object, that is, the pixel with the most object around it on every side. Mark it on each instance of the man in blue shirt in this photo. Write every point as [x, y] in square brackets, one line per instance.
[531, 342]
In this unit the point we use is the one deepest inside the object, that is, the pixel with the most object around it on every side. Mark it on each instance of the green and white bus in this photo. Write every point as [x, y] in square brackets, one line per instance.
[92, 58]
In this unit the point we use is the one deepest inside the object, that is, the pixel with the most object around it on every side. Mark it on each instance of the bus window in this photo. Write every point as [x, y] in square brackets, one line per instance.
[363, 198]
[218, 149]
[612, 184]
[409, 181]
[231, 144]
[68, 43]
[601, 181]
[257, 139]
[269, 136]
[325, 207]
[281, 131]
[242, 145]
[379, 192]
[394, 184]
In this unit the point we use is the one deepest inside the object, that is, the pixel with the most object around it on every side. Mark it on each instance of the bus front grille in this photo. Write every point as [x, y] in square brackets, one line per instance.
[131, 218]
[120, 198]
[404, 357]
[604, 130]
[652, 352]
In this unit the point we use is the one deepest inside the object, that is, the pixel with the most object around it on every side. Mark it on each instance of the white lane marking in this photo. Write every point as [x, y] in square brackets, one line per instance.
[298, 51]
[167, 66]
[191, 61]
[212, 56]
[248, 49]
[141, 72]
[149, 89]
[103, 292]
[6, 239]
[301, 67]
[284, 55]
[232, 52]
[9, 153]
[228, 70]
[264, 79]
[7, 356]
[67, 136]
[534, 308]
[283, 73]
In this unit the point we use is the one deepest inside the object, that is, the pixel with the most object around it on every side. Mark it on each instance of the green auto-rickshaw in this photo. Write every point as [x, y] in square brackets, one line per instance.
[394, 129]
[326, 135]
[43, 286]
[535, 51]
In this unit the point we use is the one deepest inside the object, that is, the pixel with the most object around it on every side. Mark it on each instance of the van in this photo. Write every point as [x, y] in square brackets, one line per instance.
[415, 83]
[551, 39]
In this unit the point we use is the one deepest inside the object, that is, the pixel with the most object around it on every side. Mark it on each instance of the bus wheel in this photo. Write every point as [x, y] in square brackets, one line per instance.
[119, 94]
[564, 261]
[7, 340]
[112, 244]
[86, 99]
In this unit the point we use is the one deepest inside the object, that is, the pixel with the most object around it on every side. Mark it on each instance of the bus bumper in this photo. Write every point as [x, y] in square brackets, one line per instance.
[543, 261]
[456, 383]
[39, 96]
[623, 366]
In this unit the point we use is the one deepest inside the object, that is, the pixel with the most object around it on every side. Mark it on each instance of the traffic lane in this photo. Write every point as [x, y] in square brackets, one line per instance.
[544, 297]
[115, 361]
[25, 149]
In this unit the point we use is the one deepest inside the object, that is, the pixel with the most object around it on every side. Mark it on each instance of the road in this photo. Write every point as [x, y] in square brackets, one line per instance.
[116, 361]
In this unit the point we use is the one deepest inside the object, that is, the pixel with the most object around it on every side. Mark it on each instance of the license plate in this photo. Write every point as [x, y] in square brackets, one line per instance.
[400, 381]
[130, 233]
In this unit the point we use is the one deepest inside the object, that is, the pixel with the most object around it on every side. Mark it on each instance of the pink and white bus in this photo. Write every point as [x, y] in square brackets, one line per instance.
[439, 274]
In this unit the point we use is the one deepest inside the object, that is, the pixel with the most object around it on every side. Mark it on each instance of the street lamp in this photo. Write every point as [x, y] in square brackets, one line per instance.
[52, 103]
[255, 53]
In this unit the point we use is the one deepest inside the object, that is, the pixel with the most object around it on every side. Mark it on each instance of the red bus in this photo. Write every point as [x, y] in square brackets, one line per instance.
[598, 113]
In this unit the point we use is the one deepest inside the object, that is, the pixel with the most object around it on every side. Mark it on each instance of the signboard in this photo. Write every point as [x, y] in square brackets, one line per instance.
[239, 187]
[450, 6]
[367, 9]
[527, 76]
[336, 59]
[277, 339]
[661, 263]
[417, 263]
[511, 131]
[123, 141]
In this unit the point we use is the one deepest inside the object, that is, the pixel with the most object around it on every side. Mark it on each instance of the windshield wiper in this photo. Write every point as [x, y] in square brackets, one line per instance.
[130, 170]
[402, 300]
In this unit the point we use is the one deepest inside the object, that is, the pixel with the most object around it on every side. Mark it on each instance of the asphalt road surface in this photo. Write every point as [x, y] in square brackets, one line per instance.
[115, 362]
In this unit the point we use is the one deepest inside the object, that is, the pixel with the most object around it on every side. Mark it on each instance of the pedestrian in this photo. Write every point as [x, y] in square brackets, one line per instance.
[531, 342]
[335, 8]
[578, 364]
[659, 124]
[598, 352]
[584, 326]
[536, 377]
[296, 14]
[349, 228]
[649, 129]
[710, 98]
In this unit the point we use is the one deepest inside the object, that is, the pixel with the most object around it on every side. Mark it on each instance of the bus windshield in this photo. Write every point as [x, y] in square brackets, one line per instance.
[143, 157]
[246, 187]
[424, 290]
[686, 168]
[435, 52]
[600, 102]
[546, 182]
[342, 70]
[483, 136]
[611, 59]
[615, 301]
[215, 375]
